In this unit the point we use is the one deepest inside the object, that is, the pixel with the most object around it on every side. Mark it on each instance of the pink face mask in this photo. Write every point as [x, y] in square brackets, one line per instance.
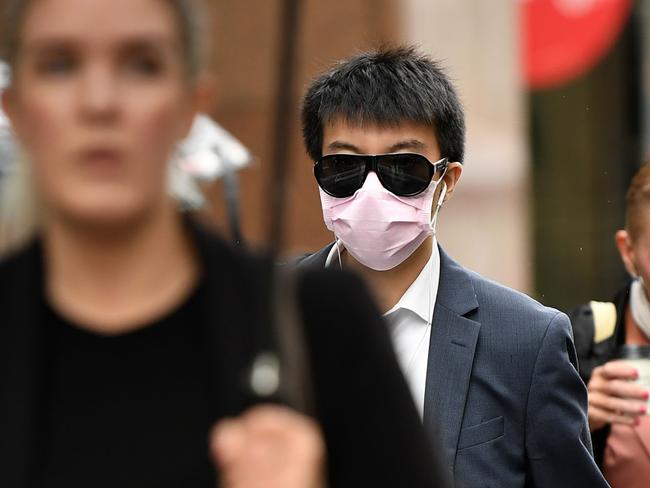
[380, 229]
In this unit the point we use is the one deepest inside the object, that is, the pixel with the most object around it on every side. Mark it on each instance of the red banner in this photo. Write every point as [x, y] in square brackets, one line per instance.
[565, 38]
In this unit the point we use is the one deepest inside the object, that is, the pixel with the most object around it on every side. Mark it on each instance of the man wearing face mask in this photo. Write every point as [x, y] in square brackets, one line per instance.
[492, 371]
[618, 407]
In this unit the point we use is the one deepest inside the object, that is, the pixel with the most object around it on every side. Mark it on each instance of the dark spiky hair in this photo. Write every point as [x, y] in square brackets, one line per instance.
[386, 86]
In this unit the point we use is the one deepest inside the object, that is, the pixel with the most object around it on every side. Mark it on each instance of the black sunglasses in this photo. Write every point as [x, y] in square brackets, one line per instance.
[403, 174]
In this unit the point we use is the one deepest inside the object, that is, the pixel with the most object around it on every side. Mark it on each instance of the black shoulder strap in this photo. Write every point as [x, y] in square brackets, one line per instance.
[295, 369]
[280, 369]
[255, 331]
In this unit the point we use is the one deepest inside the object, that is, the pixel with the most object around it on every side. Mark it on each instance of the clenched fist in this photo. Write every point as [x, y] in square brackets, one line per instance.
[269, 446]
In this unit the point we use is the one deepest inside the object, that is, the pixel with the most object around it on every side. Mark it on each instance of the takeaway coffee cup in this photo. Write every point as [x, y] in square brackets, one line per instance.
[639, 358]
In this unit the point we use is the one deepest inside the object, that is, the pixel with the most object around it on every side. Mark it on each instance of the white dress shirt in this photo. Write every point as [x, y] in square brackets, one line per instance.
[410, 323]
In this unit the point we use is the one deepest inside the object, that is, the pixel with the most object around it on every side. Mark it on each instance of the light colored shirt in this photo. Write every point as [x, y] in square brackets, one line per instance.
[410, 323]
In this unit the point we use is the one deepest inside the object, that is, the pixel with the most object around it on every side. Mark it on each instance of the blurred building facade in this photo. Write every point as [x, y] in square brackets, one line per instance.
[485, 226]
[545, 170]
[245, 60]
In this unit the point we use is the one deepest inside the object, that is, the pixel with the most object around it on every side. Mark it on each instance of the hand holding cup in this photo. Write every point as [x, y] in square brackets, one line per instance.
[614, 395]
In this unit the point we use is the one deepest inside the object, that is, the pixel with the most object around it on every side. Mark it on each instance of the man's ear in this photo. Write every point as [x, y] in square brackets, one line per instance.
[626, 250]
[452, 175]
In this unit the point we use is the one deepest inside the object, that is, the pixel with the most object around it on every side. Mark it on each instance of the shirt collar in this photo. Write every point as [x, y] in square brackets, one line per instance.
[420, 297]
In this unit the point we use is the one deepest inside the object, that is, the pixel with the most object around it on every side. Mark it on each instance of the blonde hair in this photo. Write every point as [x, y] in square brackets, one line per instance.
[190, 17]
[20, 213]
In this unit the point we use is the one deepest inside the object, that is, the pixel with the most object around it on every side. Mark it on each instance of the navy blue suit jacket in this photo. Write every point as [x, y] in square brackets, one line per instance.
[502, 386]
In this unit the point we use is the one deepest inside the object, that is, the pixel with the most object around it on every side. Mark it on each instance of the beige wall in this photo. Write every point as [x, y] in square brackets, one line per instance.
[485, 225]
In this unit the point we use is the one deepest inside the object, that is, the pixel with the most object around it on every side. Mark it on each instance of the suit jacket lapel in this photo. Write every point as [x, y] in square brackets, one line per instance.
[20, 369]
[451, 354]
[316, 260]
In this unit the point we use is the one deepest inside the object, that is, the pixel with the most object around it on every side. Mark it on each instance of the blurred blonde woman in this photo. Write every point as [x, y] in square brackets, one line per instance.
[125, 328]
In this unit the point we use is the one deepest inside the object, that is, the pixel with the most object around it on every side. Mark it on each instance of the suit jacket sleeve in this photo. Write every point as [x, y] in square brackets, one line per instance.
[558, 444]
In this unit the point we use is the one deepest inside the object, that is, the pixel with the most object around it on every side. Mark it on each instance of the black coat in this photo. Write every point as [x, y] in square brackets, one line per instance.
[373, 433]
[592, 354]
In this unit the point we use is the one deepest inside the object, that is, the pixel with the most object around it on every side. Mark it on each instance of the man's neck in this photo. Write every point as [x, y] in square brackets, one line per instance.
[389, 286]
[119, 280]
